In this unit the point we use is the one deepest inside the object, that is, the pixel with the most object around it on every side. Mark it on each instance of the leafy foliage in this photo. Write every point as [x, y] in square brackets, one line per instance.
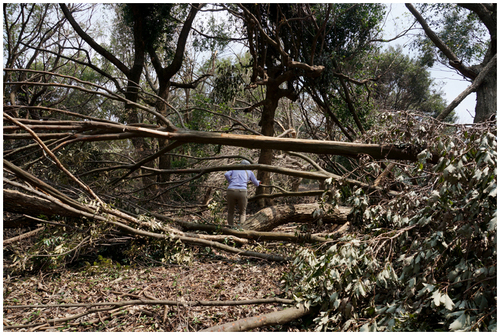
[220, 29]
[349, 30]
[459, 28]
[157, 21]
[229, 82]
[422, 261]
[406, 84]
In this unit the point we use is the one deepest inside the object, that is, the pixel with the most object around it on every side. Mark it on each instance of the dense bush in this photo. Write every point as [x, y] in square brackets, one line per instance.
[421, 261]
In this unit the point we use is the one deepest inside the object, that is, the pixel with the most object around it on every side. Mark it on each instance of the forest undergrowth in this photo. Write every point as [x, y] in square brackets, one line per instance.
[130, 275]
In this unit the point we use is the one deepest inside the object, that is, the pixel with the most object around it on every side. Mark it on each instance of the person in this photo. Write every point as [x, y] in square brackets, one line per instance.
[237, 191]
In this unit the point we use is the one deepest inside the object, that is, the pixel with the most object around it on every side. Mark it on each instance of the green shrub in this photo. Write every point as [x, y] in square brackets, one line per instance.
[422, 261]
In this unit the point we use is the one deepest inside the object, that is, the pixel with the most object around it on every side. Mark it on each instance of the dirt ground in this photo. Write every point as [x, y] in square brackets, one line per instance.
[217, 277]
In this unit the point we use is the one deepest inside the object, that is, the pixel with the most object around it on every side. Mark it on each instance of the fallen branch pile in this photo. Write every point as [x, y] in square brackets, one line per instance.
[45, 199]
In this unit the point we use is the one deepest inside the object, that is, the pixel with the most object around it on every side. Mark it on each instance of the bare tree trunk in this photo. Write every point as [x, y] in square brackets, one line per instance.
[272, 217]
[266, 154]
[486, 96]
[486, 105]
[274, 318]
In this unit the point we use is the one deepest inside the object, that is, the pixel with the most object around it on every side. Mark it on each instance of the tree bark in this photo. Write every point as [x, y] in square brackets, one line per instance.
[377, 151]
[17, 202]
[266, 155]
[274, 318]
[272, 217]
[259, 235]
[486, 101]
[486, 95]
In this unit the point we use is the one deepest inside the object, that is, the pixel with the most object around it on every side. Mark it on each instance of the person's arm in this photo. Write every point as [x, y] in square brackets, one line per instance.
[254, 179]
[228, 176]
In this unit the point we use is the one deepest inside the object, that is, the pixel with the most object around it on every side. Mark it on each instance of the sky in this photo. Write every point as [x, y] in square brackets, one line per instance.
[451, 83]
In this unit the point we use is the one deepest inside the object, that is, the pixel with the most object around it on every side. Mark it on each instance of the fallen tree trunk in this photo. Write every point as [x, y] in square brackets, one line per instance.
[252, 234]
[258, 235]
[274, 318]
[119, 131]
[271, 217]
[20, 222]
[17, 202]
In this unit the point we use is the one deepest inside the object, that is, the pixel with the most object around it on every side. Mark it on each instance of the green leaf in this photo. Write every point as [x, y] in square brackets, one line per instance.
[492, 225]
[459, 323]
[493, 192]
[365, 328]
[307, 304]
[448, 303]
[437, 298]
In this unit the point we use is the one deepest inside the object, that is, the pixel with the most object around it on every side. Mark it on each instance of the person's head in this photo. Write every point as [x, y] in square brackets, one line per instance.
[245, 162]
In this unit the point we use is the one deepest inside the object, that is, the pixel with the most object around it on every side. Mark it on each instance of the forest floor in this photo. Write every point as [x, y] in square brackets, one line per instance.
[212, 276]
[215, 279]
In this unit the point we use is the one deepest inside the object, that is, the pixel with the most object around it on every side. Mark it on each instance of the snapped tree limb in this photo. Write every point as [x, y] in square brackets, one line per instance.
[120, 220]
[255, 235]
[119, 131]
[274, 318]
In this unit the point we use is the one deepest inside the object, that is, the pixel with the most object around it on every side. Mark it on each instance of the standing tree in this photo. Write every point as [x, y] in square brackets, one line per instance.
[468, 32]
[345, 34]
[160, 26]
[272, 45]
[131, 67]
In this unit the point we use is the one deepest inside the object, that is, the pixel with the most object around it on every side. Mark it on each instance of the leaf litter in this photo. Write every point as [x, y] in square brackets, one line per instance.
[220, 278]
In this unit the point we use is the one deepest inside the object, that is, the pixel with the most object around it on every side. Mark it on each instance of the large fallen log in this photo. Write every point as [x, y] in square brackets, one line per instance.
[259, 235]
[271, 217]
[17, 202]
